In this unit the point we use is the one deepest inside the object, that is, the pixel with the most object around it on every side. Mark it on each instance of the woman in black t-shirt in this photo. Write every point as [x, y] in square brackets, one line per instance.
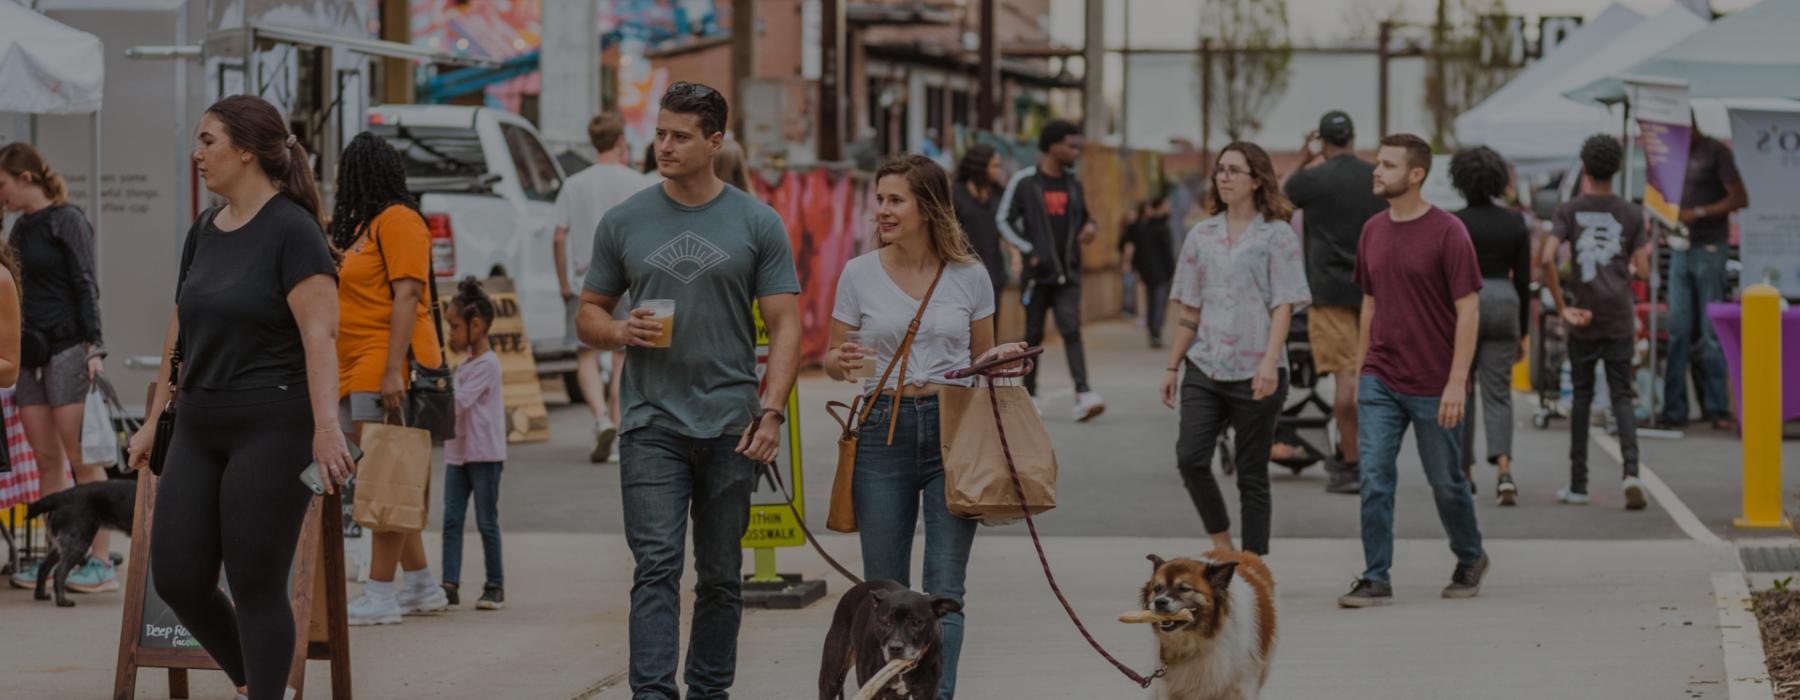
[1503, 247]
[254, 327]
[977, 199]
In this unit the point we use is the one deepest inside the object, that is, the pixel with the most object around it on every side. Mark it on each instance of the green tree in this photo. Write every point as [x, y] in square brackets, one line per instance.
[1250, 61]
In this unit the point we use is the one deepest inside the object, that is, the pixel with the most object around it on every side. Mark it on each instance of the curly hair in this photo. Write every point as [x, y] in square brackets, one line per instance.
[370, 178]
[472, 301]
[974, 166]
[1601, 156]
[1480, 174]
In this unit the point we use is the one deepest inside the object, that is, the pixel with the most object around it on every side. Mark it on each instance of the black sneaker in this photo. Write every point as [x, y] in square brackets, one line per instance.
[1466, 581]
[1345, 478]
[450, 594]
[493, 597]
[1367, 594]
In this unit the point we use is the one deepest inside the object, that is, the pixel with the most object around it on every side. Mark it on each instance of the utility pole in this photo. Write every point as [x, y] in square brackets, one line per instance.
[1125, 85]
[1440, 81]
[1382, 56]
[743, 62]
[1093, 58]
[1206, 81]
[987, 98]
[831, 80]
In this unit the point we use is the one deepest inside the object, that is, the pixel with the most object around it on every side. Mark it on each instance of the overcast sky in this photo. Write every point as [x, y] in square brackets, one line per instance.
[1175, 23]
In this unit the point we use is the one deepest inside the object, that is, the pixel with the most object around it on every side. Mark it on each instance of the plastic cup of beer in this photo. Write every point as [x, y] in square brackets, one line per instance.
[662, 311]
[867, 370]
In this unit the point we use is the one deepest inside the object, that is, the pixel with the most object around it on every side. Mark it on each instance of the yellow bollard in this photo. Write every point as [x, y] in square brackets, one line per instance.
[1761, 419]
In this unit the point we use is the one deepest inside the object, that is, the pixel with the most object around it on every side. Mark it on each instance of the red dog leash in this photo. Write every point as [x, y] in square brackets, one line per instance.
[990, 374]
[991, 370]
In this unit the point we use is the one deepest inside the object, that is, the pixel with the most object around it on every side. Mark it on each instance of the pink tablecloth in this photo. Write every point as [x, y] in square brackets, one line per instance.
[21, 484]
[1728, 320]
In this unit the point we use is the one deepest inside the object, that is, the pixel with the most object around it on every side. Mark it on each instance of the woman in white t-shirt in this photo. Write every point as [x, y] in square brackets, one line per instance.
[877, 297]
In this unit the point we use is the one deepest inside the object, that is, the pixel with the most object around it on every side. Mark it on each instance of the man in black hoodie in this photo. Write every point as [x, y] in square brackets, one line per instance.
[1044, 215]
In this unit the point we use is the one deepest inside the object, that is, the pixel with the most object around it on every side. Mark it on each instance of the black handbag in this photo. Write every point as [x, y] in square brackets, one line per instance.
[165, 423]
[431, 395]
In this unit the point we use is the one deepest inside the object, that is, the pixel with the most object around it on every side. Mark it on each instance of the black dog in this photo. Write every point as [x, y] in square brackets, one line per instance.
[877, 622]
[76, 515]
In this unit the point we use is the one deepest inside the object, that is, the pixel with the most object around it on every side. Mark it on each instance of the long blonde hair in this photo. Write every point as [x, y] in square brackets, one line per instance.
[930, 187]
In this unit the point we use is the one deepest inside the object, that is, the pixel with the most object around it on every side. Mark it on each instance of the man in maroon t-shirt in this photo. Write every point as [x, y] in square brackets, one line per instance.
[1419, 278]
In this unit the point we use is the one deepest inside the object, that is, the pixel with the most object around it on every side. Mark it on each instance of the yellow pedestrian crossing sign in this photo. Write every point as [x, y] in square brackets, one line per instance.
[773, 523]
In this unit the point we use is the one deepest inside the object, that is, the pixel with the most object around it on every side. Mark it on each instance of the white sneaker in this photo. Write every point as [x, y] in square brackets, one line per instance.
[1570, 497]
[423, 599]
[369, 610]
[1088, 405]
[605, 434]
[1634, 494]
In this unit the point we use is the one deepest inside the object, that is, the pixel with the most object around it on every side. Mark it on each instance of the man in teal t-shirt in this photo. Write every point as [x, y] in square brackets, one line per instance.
[693, 425]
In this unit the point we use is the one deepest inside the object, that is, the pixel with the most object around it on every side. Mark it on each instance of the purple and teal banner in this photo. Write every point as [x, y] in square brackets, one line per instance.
[1665, 129]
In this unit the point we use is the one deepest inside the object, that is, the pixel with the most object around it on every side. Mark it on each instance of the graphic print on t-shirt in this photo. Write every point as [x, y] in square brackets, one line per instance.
[1056, 203]
[687, 257]
[1599, 242]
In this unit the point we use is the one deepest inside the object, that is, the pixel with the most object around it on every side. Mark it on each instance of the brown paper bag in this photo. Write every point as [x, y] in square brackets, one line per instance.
[977, 483]
[393, 480]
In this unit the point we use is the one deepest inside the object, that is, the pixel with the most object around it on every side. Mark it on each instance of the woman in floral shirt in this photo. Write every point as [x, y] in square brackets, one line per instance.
[1239, 280]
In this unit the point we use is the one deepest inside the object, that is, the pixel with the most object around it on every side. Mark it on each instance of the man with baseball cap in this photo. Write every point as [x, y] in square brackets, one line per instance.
[1332, 187]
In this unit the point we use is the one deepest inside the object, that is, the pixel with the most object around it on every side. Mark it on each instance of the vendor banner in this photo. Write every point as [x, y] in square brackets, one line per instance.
[1767, 147]
[1665, 126]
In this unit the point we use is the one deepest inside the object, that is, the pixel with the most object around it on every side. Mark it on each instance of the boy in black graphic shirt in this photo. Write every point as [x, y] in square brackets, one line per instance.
[1607, 242]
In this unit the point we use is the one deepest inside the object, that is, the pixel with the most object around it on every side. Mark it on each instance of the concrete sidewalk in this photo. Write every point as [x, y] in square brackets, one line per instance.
[1589, 619]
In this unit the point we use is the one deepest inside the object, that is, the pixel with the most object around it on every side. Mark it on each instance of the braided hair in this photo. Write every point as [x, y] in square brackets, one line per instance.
[371, 177]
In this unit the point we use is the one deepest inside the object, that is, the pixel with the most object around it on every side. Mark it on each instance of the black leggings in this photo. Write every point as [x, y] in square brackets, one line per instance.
[231, 494]
[1207, 408]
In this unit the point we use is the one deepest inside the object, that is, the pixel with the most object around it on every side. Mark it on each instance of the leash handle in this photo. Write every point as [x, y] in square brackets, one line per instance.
[1019, 488]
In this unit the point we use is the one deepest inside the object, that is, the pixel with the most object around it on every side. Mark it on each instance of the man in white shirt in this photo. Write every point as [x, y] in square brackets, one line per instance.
[585, 198]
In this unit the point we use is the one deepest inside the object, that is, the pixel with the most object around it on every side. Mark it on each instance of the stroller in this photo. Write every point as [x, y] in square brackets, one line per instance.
[1306, 410]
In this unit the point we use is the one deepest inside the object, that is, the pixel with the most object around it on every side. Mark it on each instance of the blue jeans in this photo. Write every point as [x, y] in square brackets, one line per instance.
[1383, 415]
[890, 484]
[664, 476]
[482, 481]
[1696, 278]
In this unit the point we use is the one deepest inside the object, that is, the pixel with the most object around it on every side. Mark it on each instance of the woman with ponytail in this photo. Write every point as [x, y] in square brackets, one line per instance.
[254, 338]
[384, 325]
[60, 312]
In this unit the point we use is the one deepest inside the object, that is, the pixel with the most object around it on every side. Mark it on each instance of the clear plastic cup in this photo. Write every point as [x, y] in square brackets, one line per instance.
[867, 370]
[662, 311]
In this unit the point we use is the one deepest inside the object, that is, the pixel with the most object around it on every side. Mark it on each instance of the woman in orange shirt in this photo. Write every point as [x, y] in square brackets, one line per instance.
[384, 323]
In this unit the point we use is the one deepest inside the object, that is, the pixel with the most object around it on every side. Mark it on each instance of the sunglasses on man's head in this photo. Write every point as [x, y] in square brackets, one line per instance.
[685, 88]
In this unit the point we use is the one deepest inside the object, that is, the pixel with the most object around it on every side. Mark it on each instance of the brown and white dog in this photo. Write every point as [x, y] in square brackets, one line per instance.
[1224, 654]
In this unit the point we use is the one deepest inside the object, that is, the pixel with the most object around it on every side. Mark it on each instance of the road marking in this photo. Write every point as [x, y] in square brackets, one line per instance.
[1746, 671]
[1659, 490]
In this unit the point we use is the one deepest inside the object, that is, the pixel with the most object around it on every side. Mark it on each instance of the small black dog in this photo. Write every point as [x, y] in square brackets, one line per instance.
[76, 515]
[877, 622]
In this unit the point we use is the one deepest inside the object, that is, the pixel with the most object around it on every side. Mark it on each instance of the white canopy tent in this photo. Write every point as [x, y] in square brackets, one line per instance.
[1546, 125]
[48, 68]
[1748, 54]
[1473, 127]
